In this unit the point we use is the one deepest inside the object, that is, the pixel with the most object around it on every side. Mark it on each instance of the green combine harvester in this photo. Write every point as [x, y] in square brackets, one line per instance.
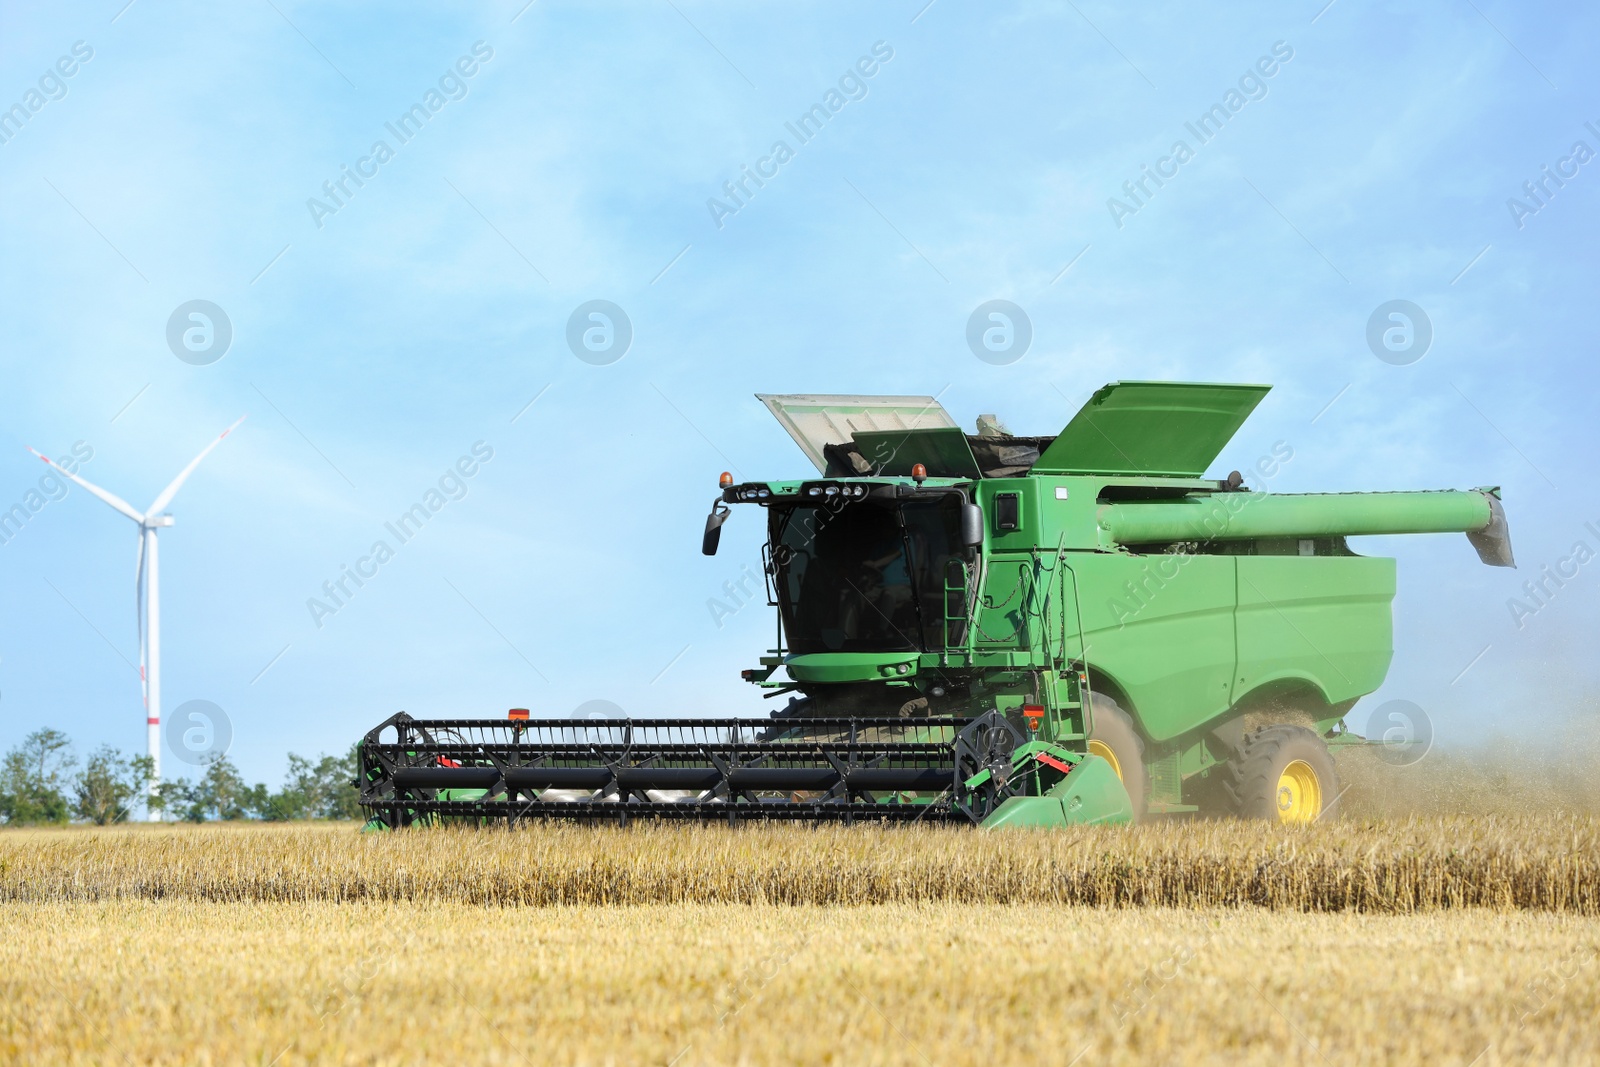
[995, 630]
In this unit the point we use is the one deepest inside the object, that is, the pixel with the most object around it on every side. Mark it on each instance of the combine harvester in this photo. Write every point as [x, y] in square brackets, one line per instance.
[998, 630]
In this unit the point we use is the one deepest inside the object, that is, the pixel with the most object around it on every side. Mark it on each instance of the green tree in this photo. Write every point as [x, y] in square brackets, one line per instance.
[109, 785]
[38, 785]
[320, 790]
[220, 794]
[35, 778]
[345, 799]
[256, 802]
[172, 797]
[298, 797]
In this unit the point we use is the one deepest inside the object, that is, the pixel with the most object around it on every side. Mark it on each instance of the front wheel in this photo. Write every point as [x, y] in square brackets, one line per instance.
[1113, 738]
[1283, 774]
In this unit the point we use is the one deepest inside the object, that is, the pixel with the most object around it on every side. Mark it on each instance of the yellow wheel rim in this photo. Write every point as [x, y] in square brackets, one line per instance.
[1299, 793]
[1103, 750]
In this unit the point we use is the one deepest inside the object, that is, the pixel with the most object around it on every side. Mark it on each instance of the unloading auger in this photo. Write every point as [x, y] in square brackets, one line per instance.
[995, 630]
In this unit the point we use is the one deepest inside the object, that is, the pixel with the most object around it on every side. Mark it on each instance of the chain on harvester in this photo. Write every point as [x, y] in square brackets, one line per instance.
[985, 751]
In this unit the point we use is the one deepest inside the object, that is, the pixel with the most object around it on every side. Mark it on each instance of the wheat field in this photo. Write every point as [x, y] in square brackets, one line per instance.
[187, 982]
[1437, 939]
[1384, 866]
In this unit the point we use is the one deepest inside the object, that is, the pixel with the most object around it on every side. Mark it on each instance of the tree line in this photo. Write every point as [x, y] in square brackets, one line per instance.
[42, 782]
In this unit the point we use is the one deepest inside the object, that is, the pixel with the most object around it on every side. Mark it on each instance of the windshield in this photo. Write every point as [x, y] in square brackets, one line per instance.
[870, 577]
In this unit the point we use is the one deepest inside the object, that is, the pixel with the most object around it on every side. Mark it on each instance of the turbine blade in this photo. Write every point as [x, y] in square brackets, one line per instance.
[177, 483]
[110, 498]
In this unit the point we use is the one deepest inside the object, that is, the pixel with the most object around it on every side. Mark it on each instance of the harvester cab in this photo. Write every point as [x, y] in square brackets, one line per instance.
[997, 629]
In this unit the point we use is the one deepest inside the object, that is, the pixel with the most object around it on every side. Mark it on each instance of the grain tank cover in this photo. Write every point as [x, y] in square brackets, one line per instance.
[1163, 429]
[818, 419]
[944, 453]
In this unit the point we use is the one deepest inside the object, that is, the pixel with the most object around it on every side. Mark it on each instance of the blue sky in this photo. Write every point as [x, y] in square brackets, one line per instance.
[374, 350]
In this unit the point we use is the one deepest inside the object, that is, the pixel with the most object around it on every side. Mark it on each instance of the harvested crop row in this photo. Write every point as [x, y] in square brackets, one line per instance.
[1549, 864]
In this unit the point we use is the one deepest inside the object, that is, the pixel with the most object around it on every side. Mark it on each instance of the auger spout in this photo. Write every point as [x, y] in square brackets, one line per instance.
[1247, 516]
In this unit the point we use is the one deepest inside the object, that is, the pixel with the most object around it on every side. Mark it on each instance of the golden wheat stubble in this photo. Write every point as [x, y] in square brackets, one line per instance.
[1400, 866]
[188, 981]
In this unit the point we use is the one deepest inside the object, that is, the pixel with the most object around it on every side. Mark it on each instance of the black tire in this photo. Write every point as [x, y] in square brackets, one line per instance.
[1113, 728]
[1271, 777]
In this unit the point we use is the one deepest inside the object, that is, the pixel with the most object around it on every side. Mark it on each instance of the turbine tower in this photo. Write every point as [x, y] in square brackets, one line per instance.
[147, 592]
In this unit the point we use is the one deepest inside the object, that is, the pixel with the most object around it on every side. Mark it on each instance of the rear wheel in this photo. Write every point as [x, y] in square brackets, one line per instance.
[1114, 740]
[1283, 774]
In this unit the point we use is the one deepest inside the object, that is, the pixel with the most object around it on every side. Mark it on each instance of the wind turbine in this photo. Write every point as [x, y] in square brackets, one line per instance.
[148, 607]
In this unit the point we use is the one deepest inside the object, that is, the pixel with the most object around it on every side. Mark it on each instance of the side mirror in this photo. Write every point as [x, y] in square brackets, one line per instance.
[713, 535]
[971, 525]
